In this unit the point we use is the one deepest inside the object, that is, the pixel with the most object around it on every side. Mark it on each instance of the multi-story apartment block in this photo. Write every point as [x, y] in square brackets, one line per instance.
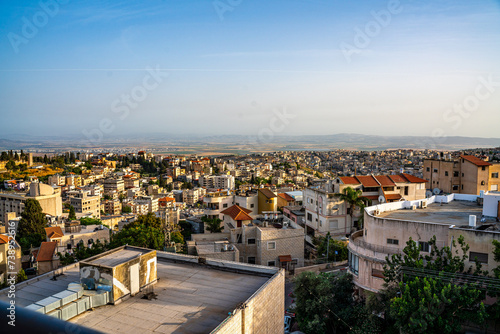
[325, 212]
[268, 201]
[192, 196]
[223, 182]
[389, 226]
[274, 242]
[112, 185]
[84, 203]
[112, 207]
[465, 175]
[57, 180]
[49, 199]
[150, 201]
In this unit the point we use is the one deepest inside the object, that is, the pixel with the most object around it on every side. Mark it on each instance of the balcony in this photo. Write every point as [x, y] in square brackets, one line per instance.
[374, 252]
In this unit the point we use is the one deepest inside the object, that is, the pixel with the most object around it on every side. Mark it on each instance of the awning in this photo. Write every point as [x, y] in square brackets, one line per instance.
[285, 258]
[393, 197]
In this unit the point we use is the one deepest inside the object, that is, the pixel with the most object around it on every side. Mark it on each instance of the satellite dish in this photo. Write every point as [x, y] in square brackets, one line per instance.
[381, 199]
[436, 191]
[428, 194]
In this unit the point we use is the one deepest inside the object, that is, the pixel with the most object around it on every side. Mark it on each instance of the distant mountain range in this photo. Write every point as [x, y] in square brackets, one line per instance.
[249, 143]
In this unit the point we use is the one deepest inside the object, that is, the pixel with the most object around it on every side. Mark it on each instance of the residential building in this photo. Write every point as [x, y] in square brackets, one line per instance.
[75, 234]
[192, 196]
[57, 180]
[222, 182]
[230, 298]
[49, 199]
[465, 175]
[389, 226]
[85, 204]
[112, 206]
[268, 201]
[113, 185]
[7, 263]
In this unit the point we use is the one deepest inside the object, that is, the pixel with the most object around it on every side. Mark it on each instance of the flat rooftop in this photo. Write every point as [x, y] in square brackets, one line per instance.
[42, 286]
[116, 258]
[191, 299]
[452, 213]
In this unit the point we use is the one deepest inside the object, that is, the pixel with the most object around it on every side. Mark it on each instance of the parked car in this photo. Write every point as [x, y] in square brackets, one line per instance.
[30, 271]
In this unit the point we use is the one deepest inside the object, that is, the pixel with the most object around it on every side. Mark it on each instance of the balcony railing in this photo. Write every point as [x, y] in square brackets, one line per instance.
[356, 239]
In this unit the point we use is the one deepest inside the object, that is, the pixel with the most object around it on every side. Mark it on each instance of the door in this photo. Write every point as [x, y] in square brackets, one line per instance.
[134, 279]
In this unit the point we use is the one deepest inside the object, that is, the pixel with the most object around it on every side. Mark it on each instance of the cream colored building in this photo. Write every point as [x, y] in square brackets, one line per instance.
[48, 197]
[84, 203]
[465, 175]
[389, 226]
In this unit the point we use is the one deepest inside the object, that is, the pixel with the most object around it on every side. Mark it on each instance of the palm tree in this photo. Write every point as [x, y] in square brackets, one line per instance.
[353, 198]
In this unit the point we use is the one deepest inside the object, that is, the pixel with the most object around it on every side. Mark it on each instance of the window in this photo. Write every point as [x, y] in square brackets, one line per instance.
[377, 273]
[424, 246]
[392, 241]
[251, 259]
[251, 205]
[309, 217]
[271, 263]
[494, 175]
[435, 170]
[68, 246]
[494, 187]
[462, 187]
[406, 190]
[224, 205]
[482, 183]
[334, 224]
[251, 241]
[455, 187]
[445, 173]
[481, 257]
[428, 169]
[271, 245]
[455, 174]
[462, 174]
[483, 168]
[238, 238]
[294, 262]
[353, 263]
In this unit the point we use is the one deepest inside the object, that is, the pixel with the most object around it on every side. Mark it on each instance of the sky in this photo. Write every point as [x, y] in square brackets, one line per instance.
[99, 69]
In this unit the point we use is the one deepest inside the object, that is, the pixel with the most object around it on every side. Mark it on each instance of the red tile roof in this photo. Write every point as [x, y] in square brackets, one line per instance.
[266, 192]
[372, 197]
[475, 160]
[237, 213]
[4, 239]
[286, 197]
[46, 251]
[414, 179]
[367, 181]
[398, 178]
[391, 197]
[54, 232]
[349, 180]
[384, 180]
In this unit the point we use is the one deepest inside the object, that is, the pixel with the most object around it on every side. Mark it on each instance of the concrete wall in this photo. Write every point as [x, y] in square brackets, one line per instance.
[264, 311]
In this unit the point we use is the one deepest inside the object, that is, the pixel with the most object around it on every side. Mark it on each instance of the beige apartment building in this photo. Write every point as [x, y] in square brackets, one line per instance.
[326, 213]
[465, 175]
[84, 203]
[112, 185]
[389, 226]
[112, 206]
[48, 197]
[276, 243]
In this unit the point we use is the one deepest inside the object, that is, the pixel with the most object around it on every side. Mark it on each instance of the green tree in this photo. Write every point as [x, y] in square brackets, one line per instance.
[176, 237]
[31, 228]
[212, 224]
[435, 293]
[353, 198]
[126, 209]
[332, 246]
[72, 215]
[325, 304]
[21, 276]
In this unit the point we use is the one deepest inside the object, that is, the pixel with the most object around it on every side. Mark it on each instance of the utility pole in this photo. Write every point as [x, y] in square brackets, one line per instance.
[327, 246]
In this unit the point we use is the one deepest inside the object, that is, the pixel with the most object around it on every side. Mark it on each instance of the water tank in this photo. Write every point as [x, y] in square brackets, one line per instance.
[472, 221]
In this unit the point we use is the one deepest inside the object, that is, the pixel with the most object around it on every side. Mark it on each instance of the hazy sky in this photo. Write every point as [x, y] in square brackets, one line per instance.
[228, 66]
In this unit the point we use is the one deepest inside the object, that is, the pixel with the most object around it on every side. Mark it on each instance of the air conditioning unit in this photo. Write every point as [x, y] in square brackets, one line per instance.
[424, 204]
[414, 207]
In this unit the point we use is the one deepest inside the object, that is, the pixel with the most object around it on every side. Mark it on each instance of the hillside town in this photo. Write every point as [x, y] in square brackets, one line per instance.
[277, 215]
